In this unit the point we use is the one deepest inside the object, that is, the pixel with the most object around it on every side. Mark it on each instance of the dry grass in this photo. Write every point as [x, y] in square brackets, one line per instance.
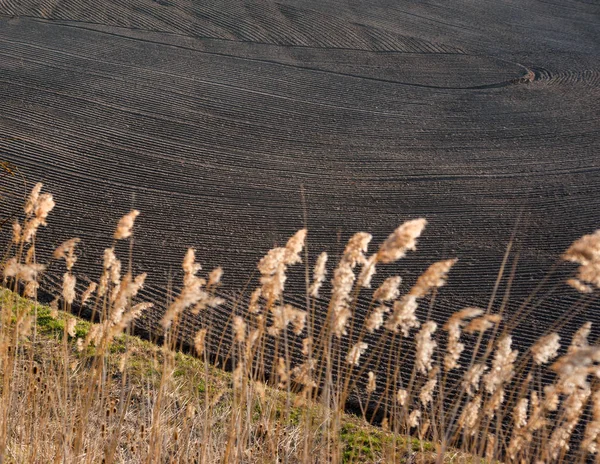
[78, 392]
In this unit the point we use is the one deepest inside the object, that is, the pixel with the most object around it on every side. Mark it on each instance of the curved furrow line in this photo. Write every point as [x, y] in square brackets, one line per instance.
[308, 27]
[212, 83]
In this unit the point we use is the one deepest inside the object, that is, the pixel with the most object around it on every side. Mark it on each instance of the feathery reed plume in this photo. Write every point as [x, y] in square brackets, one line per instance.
[253, 305]
[414, 418]
[375, 319]
[580, 286]
[238, 375]
[32, 199]
[125, 225]
[574, 368]
[388, 290]
[401, 396]
[88, 292]
[483, 323]
[573, 407]
[586, 252]
[303, 373]
[469, 418]
[425, 347]
[372, 382]
[281, 370]
[70, 327]
[403, 239]
[434, 277]
[355, 250]
[37, 208]
[239, 329]
[319, 272]
[472, 377]
[214, 277]
[191, 294]
[591, 437]
[17, 233]
[68, 290]
[294, 247]
[426, 393]
[22, 272]
[546, 348]
[285, 315]
[454, 347]
[520, 413]
[307, 344]
[580, 338]
[355, 353]
[111, 271]
[273, 266]
[501, 372]
[199, 340]
[343, 281]
[66, 251]
[367, 272]
[404, 315]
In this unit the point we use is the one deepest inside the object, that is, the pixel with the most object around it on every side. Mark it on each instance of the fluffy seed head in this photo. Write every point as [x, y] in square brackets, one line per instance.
[483, 323]
[367, 272]
[401, 396]
[502, 365]
[342, 284]
[294, 247]
[66, 251]
[125, 225]
[586, 252]
[199, 340]
[470, 416]
[453, 326]
[403, 239]
[472, 377]
[85, 296]
[404, 315]
[388, 290]
[520, 413]
[68, 290]
[214, 277]
[355, 353]
[426, 393]
[340, 321]
[239, 328]
[425, 347]
[546, 348]
[282, 370]
[17, 231]
[433, 277]
[32, 200]
[253, 306]
[375, 319]
[356, 248]
[372, 382]
[580, 339]
[414, 419]
[319, 273]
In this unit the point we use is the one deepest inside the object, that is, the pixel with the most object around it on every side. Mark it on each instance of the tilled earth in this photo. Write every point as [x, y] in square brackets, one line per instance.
[483, 117]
